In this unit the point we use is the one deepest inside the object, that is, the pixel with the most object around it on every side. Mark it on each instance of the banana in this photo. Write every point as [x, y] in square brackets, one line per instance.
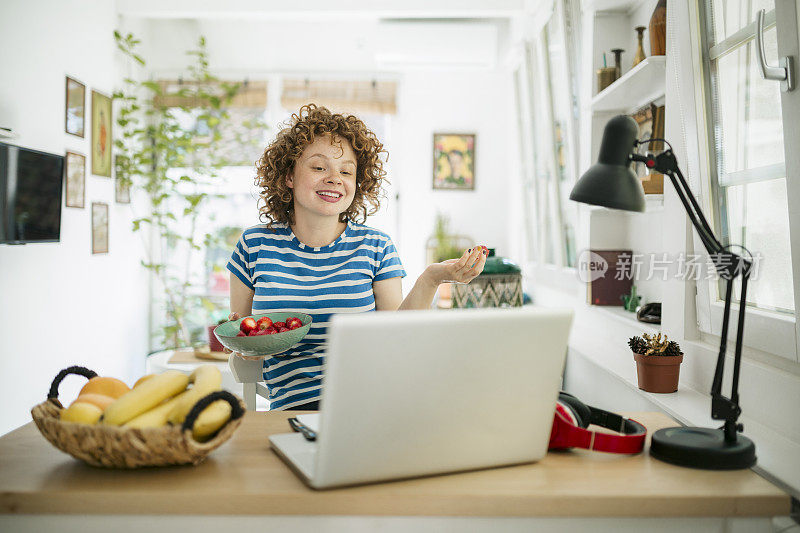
[157, 416]
[82, 413]
[211, 419]
[144, 397]
[205, 379]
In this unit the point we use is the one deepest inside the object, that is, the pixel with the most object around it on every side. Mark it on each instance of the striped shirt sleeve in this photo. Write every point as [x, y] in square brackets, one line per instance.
[242, 262]
[389, 265]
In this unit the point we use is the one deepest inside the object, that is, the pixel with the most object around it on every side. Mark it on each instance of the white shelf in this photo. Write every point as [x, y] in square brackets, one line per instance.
[640, 85]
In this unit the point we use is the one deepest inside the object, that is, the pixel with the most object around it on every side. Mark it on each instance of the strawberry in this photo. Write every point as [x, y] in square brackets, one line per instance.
[281, 330]
[241, 334]
[270, 331]
[254, 332]
[264, 322]
[294, 323]
[279, 325]
[248, 325]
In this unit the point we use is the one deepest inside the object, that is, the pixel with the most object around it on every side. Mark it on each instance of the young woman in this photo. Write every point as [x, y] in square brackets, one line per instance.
[320, 178]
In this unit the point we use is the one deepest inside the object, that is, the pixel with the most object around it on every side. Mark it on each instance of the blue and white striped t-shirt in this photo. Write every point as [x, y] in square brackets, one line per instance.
[287, 275]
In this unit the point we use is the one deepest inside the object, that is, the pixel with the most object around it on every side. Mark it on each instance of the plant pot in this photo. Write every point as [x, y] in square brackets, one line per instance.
[213, 342]
[658, 373]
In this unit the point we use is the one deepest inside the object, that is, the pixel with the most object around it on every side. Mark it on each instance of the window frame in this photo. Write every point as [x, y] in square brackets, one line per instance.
[774, 332]
[549, 195]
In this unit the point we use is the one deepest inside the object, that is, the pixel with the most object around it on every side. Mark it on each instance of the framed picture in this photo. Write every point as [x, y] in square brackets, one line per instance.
[101, 134]
[454, 161]
[650, 120]
[122, 189]
[75, 169]
[75, 107]
[99, 228]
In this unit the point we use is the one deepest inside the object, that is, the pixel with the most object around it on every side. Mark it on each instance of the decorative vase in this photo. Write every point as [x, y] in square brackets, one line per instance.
[618, 60]
[605, 77]
[213, 342]
[658, 29]
[658, 373]
[639, 57]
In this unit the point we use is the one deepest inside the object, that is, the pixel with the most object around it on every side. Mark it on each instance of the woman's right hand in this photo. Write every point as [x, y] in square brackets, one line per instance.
[233, 316]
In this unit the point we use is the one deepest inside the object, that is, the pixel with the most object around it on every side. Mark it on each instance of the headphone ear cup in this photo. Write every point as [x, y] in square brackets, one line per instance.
[581, 412]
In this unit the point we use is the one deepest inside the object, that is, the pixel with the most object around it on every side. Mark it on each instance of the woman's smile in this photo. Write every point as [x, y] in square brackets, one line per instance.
[330, 196]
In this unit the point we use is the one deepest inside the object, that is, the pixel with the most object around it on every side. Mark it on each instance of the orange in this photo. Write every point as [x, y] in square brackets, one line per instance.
[100, 400]
[105, 386]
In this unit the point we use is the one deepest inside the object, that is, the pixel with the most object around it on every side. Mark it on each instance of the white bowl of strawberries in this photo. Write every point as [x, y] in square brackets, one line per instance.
[262, 335]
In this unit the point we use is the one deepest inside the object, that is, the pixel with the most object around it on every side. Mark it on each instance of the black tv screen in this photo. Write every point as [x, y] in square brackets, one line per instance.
[30, 195]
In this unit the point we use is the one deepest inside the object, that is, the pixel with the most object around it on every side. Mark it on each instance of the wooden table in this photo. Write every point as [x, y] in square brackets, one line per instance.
[245, 479]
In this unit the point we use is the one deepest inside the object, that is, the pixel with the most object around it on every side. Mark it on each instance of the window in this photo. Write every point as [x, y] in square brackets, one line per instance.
[749, 132]
[550, 65]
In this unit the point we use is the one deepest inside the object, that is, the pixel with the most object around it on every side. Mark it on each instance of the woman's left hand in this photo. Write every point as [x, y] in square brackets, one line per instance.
[461, 270]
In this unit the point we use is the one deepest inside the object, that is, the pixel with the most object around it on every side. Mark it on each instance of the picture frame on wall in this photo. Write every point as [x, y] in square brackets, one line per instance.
[454, 161]
[75, 107]
[101, 134]
[75, 169]
[122, 189]
[99, 228]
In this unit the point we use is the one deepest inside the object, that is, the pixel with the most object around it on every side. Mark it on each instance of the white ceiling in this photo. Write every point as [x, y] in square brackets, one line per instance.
[249, 37]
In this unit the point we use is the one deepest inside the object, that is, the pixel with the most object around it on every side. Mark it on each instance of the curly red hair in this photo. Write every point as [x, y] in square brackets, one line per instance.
[281, 155]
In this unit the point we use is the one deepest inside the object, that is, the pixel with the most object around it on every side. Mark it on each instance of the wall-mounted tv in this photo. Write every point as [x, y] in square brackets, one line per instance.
[30, 195]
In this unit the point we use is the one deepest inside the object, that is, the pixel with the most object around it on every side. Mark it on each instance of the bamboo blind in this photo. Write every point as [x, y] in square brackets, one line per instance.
[341, 96]
[252, 94]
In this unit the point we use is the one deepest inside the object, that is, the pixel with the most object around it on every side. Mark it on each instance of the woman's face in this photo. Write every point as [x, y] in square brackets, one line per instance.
[324, 178]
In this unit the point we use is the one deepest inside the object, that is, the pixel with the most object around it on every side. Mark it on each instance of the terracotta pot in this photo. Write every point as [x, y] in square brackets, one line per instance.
[658, 29]
[213, 342]
[658, 373]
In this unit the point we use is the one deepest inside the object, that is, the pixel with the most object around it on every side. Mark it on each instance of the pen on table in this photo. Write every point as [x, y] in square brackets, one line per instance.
[307, 432]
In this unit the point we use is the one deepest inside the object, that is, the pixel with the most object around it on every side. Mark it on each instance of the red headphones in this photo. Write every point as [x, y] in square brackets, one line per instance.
[573, 417]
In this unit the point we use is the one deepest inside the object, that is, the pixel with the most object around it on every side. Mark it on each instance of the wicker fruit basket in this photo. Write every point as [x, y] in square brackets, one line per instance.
[118, 447]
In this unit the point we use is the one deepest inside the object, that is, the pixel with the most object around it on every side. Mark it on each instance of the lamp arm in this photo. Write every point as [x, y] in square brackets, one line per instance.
[666, 163]
[700, 219]
[722, 408]
[710, 242]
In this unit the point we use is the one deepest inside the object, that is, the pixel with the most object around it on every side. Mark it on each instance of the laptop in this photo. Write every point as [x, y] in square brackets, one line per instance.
[415, 393]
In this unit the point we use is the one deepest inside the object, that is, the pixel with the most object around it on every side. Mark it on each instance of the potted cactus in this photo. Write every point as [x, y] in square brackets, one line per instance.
[658, 362]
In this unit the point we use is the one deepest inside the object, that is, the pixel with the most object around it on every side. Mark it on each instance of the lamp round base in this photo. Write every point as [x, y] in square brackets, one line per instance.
[702, 448]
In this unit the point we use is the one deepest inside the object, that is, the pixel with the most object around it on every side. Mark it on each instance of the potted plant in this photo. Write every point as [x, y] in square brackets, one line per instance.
[170, 150]
[658, 362]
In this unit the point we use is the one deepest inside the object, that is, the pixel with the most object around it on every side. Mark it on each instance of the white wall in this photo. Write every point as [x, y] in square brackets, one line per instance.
[453, 102]
[61, 305]
[429, 100]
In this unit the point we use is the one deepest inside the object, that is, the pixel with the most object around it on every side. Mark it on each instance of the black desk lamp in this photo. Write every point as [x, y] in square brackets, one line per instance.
[612, 183]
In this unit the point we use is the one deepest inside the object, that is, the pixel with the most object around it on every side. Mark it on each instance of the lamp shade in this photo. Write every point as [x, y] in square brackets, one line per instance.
[611, 182]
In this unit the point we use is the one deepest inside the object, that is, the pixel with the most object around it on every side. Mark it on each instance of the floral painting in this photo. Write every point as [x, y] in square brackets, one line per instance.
[101, 134]
[454, 161]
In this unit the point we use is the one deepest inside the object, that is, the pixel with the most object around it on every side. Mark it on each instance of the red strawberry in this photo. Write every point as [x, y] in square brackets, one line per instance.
[279, 325]
[283, 329]
[270, 331]
[264, 322]
[241, 334]
[254, 332]
[294, 323]
[248, 325]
